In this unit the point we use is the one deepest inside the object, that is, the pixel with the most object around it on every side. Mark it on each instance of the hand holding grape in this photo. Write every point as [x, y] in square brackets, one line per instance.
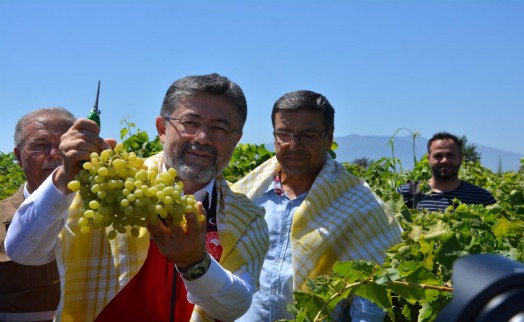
[76, 145]
[183, 245]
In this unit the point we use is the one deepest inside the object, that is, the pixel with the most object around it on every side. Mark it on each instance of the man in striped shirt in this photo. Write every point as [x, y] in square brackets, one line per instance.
[445, 157]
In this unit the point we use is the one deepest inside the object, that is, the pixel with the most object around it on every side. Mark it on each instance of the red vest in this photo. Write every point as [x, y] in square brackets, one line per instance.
[147, 297]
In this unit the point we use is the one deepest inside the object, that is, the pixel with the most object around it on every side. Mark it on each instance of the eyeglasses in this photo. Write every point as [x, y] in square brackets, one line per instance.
[218, 131]
[306, 137]
[41, 147]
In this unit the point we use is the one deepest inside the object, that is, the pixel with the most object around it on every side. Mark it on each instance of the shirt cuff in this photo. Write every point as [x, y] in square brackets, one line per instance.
[53, 199]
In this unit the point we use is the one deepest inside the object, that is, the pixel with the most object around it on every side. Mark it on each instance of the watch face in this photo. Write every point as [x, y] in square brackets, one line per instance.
[197, 270]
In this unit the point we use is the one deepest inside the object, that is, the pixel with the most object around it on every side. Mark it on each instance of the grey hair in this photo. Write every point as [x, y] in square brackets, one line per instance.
[212, 84]
[31, 116]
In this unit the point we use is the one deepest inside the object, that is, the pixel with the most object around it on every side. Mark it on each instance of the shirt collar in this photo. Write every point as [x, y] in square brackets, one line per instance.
[26, 192]
[203, 193]
[278, 189]
[276, 186]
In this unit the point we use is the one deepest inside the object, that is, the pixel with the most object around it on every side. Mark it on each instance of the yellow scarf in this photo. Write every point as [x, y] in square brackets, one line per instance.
[341, 219]
[94, 269]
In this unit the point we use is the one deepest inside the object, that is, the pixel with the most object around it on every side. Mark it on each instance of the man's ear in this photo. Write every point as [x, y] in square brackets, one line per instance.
[161, 128]
[239, 136]
[18, 155]
[330, 135]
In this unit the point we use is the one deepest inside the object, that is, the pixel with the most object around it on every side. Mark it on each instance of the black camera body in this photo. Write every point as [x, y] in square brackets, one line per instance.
[487, 288]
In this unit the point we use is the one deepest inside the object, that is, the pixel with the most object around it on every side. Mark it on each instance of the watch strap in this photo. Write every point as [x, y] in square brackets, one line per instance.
[197, 270]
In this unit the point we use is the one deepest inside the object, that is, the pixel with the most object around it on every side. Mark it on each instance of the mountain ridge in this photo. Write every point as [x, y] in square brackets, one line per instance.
[356, 146]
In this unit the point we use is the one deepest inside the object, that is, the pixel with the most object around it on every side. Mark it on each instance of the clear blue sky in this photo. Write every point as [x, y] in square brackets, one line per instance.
[423, 65]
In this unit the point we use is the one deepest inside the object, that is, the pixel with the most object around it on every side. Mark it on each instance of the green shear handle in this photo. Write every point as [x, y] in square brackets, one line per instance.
[94, 115]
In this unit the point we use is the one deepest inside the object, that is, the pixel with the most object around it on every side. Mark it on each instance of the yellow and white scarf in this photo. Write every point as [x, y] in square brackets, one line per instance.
[341, 219]
[94, 269]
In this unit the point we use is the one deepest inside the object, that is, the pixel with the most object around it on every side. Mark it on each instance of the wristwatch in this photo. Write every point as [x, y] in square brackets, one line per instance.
[197, 270]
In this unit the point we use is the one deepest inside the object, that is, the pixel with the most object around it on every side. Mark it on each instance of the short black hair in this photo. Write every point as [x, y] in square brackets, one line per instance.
[444, 136]
[305, 100]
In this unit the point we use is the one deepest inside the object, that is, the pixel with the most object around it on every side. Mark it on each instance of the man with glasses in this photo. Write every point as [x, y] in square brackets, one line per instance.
[317, 212]
[31, 293]
[206, 272]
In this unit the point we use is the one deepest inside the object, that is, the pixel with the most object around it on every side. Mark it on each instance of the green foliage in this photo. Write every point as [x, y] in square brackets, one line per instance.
[469, 150]
[11, 175]
[245, 158]
[138, 141]
[414, 282]
[364, 162]
[380, 175]
[391, 142]
[331, 151]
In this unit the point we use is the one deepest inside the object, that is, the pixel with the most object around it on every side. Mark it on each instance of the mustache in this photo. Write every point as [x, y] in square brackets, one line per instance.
[51, 164]
[297, 152]
[199, 147]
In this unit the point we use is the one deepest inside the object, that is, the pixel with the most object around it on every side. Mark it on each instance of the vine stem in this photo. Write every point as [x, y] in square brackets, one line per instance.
[424, 286]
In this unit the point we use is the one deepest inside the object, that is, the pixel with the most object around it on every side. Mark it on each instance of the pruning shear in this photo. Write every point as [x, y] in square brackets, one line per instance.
[94, 115]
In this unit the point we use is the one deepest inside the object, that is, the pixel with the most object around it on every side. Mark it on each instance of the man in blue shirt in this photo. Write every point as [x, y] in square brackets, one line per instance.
[444, 157]
[317, 212]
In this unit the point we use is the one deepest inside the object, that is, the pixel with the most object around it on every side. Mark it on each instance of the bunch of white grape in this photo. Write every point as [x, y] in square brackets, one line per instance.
[119, 190]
